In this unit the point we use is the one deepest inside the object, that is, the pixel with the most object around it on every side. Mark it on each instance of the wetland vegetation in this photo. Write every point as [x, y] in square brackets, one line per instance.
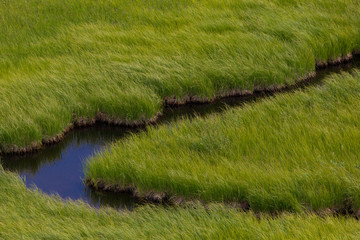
[27, 214]
[289, 152]
[67, 60]
[283, 167]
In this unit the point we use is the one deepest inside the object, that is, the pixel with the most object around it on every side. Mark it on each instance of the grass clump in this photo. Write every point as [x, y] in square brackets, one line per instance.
[289, 152]
[28, 214]
[122, 58]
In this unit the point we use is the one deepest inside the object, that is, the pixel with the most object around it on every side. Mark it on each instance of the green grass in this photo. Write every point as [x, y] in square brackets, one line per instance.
[26, 214]
[59, 57]
[291, 152]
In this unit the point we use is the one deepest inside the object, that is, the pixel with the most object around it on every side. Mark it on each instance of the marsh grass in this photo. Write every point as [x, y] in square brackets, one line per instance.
[124, 57]
[295, 151]
[28, 214]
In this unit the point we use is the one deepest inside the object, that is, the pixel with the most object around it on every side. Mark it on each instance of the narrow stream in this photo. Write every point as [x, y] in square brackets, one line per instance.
[58, 169]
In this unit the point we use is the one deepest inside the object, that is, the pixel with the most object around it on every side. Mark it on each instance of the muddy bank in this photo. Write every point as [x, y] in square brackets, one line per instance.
[78, 122]
[172, 102]
[166, 199]
[149, 196]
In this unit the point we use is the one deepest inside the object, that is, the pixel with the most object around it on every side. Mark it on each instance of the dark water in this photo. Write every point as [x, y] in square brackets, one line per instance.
[58, 169]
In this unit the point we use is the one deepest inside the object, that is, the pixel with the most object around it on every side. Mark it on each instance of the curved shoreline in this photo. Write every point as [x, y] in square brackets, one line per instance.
[164, 197]
[346, 209]
[81, 122]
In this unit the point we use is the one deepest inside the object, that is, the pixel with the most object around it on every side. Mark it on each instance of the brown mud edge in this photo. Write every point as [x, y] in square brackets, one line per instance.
[80, 122]
[345, 209]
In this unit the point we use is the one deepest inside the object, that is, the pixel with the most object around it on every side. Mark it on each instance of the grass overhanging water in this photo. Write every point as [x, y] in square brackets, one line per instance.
[28, 214]
[123, 58]
[295, 151]
[298, 152]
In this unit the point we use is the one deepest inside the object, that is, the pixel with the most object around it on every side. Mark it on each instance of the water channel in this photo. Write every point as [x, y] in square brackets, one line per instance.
[58, 169]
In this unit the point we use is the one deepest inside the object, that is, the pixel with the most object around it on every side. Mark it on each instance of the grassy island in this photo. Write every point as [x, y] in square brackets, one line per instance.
[292, 152]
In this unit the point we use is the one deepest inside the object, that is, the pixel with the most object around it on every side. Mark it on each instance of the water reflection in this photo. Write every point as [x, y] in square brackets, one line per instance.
[59, 168]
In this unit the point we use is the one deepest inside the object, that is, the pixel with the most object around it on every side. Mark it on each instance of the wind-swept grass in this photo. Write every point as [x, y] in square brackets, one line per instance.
[59, 57]
[26, 214]
[289, 152]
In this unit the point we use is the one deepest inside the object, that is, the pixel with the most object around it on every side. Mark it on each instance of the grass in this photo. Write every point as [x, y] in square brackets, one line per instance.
[59, 57]
[123, 58]
[291, 152]
[28, 214]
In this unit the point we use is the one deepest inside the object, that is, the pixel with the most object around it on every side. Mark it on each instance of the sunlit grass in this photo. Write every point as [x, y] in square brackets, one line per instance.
[290, 152]
[124, 57]
[28, 214]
